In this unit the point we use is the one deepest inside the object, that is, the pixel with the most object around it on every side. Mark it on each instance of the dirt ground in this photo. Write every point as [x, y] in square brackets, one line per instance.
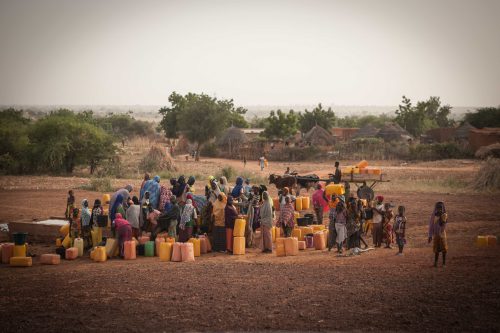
[315, 291]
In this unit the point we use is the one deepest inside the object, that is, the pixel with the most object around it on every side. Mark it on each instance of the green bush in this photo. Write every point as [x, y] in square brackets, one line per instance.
[228, 172]
[438, 151]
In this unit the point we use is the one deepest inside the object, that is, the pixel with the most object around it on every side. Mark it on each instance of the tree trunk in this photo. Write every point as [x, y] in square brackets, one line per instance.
[197, 154]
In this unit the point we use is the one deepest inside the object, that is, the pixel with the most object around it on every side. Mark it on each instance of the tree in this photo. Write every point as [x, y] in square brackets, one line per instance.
[14, 141]
[199, 117]
[281, 125]
[424, 116]
[484, 117]
[61, 141]
[318, 116]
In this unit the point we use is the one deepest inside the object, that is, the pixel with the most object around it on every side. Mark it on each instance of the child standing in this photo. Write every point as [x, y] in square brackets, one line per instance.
[400, 229]
[70, 204]
[437, 231]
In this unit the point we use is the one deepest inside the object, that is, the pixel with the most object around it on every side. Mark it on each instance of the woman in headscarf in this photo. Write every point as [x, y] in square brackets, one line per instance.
[387, 225]
[70, 204]
[153, 187]
[230, 216]
[186, 224]
[219, 230]
[353, 224]
[125, 193]
[266, 222]
[85, 223]
[123, 231]
[377, 221]
[437, 232]
[287, 217]
[117, 207]
[319, 204]
[180, 186]
[133, 214]
[190, 182]
[253, 216]
[146, 178]
[143, 217]
[212, 190]
[97, 211]
[165, 195]
[339, 217]
[238, 188]
[224, 186]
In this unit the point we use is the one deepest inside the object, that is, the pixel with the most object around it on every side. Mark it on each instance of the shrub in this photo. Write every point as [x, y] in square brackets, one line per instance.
[488, 176]
[227, 172]
[438, 151]
[98, 185]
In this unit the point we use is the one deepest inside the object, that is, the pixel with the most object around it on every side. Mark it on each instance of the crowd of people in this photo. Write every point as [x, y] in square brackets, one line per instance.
[177, 209]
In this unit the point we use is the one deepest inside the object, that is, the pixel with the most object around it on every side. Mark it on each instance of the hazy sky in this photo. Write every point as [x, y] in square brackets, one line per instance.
[257, 52]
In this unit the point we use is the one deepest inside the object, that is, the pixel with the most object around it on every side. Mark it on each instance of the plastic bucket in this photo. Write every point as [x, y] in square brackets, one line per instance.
[19, 238]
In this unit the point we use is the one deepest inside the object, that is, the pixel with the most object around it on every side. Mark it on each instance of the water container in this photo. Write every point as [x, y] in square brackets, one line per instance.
[96, 234]
[187, 252]
[149, 249]
[239, 228]
[337, 189]
[291, 246]
[100, 254]
[273, 233]
[111, 247]
[143, 239]
[239, 245]
[165, 251]
[58, 242]
[170, 240]
[492, 240]
[309, 239]
[276, 204]
[280, 250]
[307, 230]
[64, 230]
[71, 253]
[203, 245]
[298, 203]
[158, 241]
[318, 227]
[374, 171]
[78, 243]
[7, 252]
[305, 203]
[482, 241]
[50, 259]
[129, 252]
[92, 254]
[19, 251]
[280, 240]
[176, 252]
[296, 232]
[319, 241]
[196, 246]
[277, 233]
[362, 164]
[66, 241]
[302, 245]
[21, 261]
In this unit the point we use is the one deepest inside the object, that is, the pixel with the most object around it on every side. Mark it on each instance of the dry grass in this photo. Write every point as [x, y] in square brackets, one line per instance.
[488, 176]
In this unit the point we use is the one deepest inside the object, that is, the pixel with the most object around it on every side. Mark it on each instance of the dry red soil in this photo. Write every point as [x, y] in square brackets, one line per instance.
[315, 291]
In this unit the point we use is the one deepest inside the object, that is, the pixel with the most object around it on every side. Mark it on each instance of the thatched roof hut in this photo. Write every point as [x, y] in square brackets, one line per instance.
[319, 136]
[233, 138]
[367, 131]
[393, 132]
[462, 132]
